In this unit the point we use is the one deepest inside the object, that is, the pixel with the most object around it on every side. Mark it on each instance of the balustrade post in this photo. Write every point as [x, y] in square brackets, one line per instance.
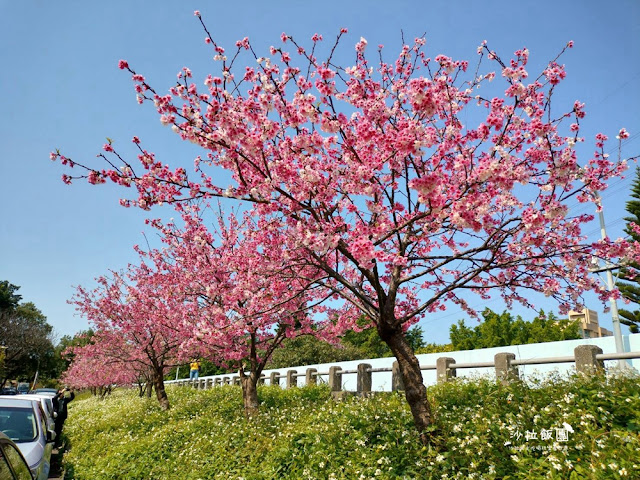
[505, 372]
[397, 384]
[335, 379]
[217, 382]
[586, 361]
[225, 380]
[274, 378]
[236, 380]
[364, 379]
[445, 369]
[292, 379]
[261, 379]
[310, 376]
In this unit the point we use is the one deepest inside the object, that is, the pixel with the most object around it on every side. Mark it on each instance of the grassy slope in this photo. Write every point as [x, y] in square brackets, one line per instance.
[302, 434]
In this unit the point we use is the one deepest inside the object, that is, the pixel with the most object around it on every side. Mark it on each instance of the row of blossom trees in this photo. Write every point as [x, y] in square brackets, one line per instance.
[366, 195]
[228, 295]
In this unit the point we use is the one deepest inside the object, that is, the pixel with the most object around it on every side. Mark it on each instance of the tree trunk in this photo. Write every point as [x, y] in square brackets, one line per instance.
[249, 393]
[415, 391]
[158, 383]
[250, 382]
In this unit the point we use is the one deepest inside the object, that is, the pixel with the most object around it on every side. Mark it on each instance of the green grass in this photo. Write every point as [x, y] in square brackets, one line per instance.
[485, 431]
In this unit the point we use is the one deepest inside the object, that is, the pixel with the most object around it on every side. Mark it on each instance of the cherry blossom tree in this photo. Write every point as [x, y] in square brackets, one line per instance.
[245, 293]
[136, 317]
[99, 365]
[404, 183]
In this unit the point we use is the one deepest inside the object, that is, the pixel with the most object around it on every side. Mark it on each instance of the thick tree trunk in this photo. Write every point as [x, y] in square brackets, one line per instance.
[415, 391]
[158, 383]
[249, 394]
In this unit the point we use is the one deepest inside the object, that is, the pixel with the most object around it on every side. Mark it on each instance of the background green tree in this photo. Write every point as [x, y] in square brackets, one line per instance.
[502, 329]
[9, 299]
[435, 348]
[628, 284]
[26, 336]
[309, 350]
[370, 345]
[207, 367]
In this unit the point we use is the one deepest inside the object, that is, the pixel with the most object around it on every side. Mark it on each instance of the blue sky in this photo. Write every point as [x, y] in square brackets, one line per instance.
[61, 88]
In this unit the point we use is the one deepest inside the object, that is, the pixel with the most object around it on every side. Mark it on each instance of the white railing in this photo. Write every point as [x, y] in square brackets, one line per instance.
[382, 374]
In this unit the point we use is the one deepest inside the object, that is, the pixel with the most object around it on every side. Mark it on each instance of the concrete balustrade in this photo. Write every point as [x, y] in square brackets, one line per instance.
[588, 360]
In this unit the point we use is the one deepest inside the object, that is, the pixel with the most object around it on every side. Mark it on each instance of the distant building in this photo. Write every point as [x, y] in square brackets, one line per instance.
[588, 322]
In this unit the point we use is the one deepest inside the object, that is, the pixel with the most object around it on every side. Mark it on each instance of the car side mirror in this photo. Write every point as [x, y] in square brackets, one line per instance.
[51, 436]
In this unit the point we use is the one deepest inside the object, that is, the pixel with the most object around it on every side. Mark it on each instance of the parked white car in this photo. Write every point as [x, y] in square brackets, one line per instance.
[25, 422]
[47, 406]
[50, 392]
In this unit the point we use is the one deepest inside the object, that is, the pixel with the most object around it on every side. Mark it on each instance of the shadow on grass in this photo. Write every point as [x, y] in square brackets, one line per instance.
[58, 469]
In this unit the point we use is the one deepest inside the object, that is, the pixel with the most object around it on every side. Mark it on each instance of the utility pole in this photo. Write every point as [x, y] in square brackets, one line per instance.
[615, 318]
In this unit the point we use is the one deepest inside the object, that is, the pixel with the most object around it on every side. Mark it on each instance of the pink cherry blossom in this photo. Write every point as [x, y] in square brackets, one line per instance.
[369, 193]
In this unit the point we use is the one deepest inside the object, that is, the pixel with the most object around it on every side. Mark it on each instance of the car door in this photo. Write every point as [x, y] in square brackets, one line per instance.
[46, 438]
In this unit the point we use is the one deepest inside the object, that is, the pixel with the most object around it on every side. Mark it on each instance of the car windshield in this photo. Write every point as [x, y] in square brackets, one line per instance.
[18, 423]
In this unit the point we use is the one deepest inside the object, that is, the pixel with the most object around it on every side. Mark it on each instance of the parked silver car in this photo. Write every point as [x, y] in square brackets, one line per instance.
[25, 422]
[13, 465]
[47, 406]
